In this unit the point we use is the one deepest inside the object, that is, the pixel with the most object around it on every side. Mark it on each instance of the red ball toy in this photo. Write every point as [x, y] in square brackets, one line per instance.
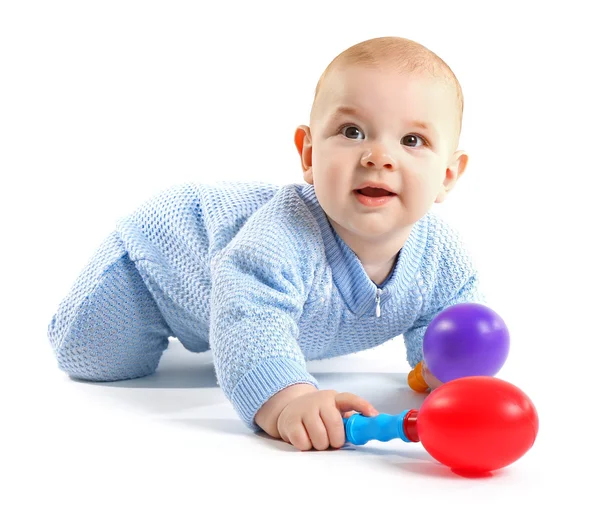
[477, 424]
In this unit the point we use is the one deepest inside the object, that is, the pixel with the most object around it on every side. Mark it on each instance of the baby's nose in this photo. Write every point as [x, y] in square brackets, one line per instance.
[378, 158]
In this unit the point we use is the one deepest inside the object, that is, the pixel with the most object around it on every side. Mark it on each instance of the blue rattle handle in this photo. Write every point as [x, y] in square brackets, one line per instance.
[383, 427]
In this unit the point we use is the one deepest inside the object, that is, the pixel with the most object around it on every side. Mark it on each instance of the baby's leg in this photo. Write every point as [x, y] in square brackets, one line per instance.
[109, 327]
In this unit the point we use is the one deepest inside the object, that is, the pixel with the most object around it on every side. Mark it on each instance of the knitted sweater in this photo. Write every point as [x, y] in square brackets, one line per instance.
[255, 273]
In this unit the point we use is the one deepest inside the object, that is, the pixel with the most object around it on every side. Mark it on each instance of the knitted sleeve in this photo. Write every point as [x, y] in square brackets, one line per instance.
[260, 283]
[447, 277]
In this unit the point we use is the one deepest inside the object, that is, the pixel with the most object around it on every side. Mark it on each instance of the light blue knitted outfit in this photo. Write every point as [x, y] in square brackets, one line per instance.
[255, 273]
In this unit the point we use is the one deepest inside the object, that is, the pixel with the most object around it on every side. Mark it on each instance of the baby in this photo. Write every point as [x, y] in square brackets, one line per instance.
[267, 277]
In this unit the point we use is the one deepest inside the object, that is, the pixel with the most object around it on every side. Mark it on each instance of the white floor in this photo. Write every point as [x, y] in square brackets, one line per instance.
[171, 440]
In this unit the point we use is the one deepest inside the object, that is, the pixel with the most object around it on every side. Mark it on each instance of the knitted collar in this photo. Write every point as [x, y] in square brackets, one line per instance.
[352, 281]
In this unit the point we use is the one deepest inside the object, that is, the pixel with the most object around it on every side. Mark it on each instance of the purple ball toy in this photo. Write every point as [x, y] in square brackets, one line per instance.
[464, 340]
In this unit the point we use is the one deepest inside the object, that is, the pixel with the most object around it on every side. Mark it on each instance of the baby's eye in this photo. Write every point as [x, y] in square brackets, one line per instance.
[352, 132]
[411, 140]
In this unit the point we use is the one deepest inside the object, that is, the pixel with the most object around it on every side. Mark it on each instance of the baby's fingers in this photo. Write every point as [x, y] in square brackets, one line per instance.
[297, 436]
[334, 425]
[350, 402]
[316, 430]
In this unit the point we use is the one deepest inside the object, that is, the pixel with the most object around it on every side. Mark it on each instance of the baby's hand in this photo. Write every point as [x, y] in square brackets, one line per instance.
[314, 420]
[432, 381]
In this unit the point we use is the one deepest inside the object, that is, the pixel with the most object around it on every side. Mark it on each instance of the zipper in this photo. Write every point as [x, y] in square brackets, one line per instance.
[377, 302]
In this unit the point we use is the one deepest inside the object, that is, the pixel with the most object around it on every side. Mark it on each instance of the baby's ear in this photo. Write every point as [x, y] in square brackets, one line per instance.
[303, 142]
[454, 171]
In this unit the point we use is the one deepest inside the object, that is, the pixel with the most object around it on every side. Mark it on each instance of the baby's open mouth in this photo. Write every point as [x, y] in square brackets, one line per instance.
[374, 192]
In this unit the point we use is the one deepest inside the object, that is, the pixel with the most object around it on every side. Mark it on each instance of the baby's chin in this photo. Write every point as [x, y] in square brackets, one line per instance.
[370, 230]
[381, 235]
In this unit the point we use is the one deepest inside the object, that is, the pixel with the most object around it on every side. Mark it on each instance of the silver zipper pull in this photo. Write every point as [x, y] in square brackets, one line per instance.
[377, 305]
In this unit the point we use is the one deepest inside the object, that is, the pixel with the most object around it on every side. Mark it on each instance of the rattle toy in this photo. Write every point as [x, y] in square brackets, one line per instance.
[473, 425]
[463, 340]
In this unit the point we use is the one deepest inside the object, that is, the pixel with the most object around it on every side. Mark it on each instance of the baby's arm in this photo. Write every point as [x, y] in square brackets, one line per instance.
[254, 312]
[413, 338]
[448, 277]
[257, 299]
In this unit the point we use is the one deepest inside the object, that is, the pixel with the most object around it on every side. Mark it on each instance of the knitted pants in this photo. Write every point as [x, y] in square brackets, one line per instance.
[109, 327]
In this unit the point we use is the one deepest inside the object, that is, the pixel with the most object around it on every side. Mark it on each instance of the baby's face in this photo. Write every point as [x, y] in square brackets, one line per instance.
[381, 127]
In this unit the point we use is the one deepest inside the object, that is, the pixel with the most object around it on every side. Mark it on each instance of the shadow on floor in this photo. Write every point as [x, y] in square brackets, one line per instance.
[181, 371]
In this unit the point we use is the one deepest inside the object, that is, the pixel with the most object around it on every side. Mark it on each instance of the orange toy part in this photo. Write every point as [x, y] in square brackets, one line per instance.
[416, 380]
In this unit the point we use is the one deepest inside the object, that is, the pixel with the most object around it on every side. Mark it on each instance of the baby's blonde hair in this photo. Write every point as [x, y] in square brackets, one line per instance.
[405, 55]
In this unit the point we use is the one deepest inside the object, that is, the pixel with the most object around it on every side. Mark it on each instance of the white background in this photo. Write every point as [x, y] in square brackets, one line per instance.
[102, 104]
